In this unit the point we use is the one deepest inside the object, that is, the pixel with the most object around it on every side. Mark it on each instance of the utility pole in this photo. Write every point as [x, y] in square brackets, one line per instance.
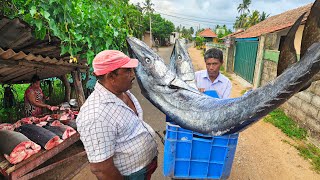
[150, 31]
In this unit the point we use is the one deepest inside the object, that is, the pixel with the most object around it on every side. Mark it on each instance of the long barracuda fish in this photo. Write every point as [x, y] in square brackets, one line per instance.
[181, 64]
[201, 113]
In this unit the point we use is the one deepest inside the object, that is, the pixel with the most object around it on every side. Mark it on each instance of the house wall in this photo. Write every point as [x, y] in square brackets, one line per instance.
[304, 107]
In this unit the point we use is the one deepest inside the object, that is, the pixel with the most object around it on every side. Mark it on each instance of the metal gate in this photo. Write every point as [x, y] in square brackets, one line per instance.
[245, 58]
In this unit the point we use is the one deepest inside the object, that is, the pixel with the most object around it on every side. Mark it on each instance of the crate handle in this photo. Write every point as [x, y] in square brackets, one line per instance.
[202, 137]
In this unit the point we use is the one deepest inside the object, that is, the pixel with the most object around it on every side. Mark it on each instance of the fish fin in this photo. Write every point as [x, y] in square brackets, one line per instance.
[311, 32]
[287, 51]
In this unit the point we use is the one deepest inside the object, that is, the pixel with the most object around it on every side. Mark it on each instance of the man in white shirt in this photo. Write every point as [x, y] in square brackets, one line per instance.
[211, 78]
[118, 143]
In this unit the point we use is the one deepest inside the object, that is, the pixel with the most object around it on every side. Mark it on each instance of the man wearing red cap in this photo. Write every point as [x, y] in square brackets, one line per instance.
[118, 143]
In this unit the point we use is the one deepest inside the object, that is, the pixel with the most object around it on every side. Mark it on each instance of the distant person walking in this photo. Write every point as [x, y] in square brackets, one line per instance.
[156, 42]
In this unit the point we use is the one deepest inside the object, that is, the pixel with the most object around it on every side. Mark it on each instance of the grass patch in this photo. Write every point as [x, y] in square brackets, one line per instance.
[243, 91]
[279, 119]
[311, 152]
[291, 129]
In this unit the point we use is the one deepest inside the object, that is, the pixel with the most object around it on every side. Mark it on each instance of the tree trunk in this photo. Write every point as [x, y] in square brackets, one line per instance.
[78, 87]
[67, 87]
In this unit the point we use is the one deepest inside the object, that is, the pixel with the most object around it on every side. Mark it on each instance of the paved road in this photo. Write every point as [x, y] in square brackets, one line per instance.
[154, 117]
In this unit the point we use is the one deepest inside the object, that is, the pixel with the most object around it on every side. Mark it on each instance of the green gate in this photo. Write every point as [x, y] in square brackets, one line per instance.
[245, 58]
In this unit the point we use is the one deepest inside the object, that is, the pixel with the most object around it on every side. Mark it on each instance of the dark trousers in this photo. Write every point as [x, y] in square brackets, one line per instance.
[145, 173]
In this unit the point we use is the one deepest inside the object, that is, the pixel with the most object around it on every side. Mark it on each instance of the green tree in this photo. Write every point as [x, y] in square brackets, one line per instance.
[253, 19]
[191, 30]
[178, 29]
[162, 28]
[264, 16]
[243, 8]
[149, 10]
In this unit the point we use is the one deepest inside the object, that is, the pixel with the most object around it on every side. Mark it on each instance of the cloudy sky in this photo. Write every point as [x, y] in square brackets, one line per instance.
[208, 13]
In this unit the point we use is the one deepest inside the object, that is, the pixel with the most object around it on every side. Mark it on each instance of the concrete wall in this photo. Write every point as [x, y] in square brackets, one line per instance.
[304, 107]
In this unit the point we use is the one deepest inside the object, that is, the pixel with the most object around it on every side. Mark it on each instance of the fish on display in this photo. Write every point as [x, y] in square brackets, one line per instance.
[16, 147]
[40, 135]
[201, 113]
[181, 63]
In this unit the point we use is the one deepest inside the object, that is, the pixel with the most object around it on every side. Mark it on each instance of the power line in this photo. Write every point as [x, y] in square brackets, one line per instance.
[198, 18]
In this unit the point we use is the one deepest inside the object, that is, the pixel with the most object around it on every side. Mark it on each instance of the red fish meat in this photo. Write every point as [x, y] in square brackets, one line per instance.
[16, 147]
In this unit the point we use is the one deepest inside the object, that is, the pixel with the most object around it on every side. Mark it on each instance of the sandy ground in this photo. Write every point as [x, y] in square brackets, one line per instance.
[262, 152]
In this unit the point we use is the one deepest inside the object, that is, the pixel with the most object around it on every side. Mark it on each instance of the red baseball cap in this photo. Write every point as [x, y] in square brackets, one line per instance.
[109, 60]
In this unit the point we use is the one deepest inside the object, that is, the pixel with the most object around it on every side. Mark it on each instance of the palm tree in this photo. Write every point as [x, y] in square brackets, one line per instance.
[243, 8]
[253, 19]
[264, 16]
[149, 10]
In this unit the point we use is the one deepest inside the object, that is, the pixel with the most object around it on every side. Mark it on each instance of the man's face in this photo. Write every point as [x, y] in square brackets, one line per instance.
[124, 79]
[213, 67]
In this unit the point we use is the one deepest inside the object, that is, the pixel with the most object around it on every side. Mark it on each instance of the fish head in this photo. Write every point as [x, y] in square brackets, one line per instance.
[151, 66]
[182, 59]
[152, 72]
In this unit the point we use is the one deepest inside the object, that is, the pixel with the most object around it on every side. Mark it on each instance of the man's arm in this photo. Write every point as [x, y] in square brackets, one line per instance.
[106, 170]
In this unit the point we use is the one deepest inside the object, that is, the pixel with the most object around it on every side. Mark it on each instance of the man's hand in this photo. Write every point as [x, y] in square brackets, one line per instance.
[201, 89]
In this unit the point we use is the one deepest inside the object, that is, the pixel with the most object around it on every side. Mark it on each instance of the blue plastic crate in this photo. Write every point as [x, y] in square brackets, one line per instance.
[189, 154]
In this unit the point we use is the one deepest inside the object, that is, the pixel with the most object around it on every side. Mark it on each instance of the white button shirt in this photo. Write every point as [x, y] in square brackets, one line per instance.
[108, 127]
[222, 85]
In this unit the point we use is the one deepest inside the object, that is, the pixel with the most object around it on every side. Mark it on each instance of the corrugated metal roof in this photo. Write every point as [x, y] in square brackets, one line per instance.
[20, 67]
[22, 55]
[17, 35]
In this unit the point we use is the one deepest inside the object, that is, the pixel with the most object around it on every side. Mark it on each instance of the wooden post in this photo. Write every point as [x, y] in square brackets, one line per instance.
[230, 55]
[78, 87]
[67, 88]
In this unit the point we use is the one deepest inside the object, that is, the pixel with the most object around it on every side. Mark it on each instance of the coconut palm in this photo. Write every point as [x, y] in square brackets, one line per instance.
[149, 10]
[264, 16]
[243, 8]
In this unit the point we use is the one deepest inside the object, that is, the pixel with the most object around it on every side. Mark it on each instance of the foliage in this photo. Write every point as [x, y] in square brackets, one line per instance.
[310, 151]
[245, 19]
[222, 31]
[289, 127]
[10, 114]
[286, 124]
[161, 28]
[83, 26]
[200, 41]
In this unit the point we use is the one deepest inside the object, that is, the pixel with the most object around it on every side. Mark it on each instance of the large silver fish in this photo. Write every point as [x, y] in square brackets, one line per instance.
[181, 64]
[201, 113]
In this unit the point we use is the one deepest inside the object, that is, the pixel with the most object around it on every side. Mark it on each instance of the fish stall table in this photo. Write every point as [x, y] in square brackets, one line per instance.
[30, 167]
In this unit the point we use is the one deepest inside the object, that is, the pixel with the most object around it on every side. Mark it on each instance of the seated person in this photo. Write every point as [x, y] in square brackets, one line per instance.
[34, 99]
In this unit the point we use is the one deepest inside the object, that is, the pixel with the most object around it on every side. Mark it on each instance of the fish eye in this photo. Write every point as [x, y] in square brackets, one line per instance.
[179, 57]
[148, 61]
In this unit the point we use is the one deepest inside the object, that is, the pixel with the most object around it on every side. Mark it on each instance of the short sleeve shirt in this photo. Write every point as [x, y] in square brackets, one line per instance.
[222, 85]
[108, 127]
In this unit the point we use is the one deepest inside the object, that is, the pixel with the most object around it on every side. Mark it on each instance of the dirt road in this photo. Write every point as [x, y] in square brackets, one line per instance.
[261, 151]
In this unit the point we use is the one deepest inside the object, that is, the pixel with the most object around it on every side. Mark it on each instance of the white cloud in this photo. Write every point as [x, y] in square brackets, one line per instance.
[208, 13]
